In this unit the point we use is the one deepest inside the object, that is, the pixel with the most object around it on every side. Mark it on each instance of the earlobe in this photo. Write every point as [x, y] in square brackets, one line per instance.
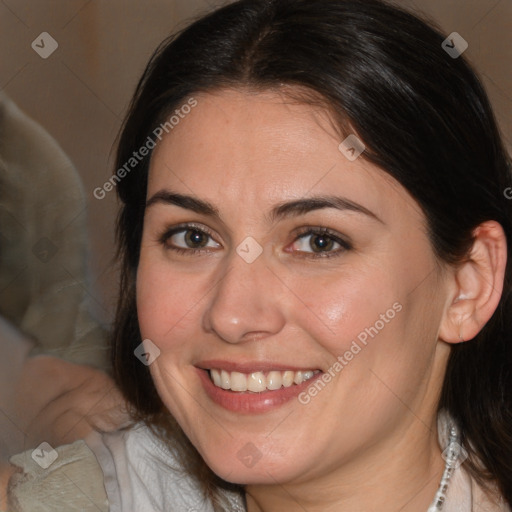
[478, 285]
[461, 338]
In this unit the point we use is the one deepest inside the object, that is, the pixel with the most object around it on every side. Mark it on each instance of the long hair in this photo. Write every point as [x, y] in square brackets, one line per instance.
[425, 120]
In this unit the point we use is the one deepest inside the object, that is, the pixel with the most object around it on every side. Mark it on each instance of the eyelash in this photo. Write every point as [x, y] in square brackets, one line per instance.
[301, 233]
[332, 235]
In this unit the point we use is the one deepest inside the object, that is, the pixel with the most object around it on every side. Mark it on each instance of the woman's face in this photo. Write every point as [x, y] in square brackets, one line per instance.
[268, 252]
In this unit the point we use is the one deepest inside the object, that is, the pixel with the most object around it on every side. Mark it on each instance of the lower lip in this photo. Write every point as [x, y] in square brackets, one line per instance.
[248, 402]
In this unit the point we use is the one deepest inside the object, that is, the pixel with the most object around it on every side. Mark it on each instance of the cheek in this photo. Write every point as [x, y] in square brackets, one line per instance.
[166, 302]
[350, 307]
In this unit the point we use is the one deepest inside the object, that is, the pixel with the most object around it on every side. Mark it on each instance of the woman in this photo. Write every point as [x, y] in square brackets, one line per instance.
[314, 236]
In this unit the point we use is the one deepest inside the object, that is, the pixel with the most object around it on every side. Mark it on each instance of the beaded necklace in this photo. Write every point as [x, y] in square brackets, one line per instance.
[452, 454]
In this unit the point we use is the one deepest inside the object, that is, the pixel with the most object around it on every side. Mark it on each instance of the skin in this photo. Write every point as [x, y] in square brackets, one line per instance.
[368, 441]
[60, 402]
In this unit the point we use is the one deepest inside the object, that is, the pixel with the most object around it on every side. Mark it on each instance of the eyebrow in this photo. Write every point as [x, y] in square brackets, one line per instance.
[280, 211]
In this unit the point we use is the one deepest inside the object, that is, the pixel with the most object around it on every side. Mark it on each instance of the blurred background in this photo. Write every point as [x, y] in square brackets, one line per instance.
[80, 92]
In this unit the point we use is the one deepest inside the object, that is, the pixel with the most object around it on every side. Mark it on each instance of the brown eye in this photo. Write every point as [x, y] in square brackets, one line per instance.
[195, 238]
[188, 239]
[320, 242]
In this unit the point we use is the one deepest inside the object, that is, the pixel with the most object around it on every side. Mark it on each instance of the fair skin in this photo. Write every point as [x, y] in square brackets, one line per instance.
[60, 402]
[368, 440]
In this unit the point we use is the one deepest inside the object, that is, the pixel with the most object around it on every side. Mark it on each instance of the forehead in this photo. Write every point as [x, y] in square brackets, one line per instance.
[259, 130]
[256, 149]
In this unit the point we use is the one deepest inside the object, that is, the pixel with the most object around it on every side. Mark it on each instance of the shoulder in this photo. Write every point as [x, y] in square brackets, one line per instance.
[122, 471]
[145, 474]
[487, 500]
[465, 494]
[49, 479]
[125, 470]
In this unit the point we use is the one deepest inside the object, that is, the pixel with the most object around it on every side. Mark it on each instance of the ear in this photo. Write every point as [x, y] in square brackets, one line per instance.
[477, 285]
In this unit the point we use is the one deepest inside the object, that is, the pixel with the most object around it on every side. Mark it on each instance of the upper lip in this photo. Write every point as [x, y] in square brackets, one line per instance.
[250, 366]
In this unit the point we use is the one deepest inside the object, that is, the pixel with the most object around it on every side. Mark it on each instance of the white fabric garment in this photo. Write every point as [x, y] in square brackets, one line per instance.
[142, 474]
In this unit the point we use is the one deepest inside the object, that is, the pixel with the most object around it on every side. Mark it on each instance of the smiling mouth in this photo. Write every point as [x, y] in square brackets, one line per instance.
[258, 382]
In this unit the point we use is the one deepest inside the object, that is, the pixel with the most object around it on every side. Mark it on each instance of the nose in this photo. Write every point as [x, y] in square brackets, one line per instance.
[245, 304]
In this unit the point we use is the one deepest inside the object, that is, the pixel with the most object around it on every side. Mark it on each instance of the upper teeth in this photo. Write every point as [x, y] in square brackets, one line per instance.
[259, 381]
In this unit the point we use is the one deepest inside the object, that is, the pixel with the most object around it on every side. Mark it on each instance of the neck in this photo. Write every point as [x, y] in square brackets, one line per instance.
[401, 473]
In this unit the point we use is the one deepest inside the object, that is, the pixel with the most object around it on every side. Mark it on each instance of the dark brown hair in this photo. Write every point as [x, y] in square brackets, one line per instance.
[425, 120]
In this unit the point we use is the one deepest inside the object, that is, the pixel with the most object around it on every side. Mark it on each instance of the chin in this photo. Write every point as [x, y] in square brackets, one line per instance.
[251, 467]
